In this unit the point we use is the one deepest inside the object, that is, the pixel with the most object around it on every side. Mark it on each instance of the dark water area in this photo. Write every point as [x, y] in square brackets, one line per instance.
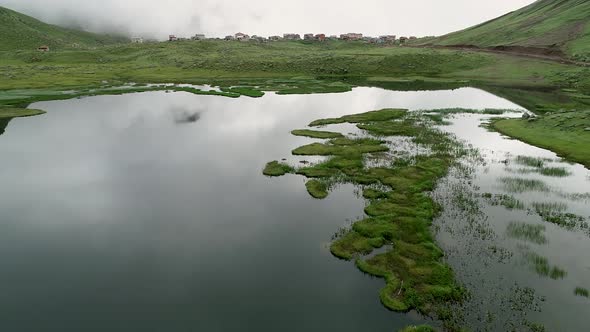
[149, 212]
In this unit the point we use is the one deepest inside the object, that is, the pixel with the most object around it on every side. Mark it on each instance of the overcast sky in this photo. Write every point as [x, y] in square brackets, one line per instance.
[158, 18]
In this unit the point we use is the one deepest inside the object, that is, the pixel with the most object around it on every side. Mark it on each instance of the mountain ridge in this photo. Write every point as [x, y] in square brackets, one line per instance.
[22, 32]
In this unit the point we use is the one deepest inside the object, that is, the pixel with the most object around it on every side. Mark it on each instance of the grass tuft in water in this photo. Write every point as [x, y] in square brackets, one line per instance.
[520, 185]
[530, 161]
[275, 168]
[507, 201]
[542, 267]
[554, 171]
[579, 291]
[527, 232]
[317, 189]
[555, 214]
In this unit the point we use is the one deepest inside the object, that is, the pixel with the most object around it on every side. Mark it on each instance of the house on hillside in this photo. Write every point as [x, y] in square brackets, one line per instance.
[308, 36]
[259, 39]
[291, 36]
[137, 40]
[198, 36]
[320, 37]
[172, 38]
[351, 36]
[242, 36]
[275, 38]
[402, 40]
[43, 48]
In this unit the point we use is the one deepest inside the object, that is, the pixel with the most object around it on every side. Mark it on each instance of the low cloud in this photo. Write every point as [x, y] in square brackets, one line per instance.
[157, 19]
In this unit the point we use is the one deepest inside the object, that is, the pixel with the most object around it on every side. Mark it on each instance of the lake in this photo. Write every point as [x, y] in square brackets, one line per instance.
[149, 212]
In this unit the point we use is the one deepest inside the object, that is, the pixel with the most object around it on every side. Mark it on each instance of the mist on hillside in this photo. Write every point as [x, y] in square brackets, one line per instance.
[158, 19]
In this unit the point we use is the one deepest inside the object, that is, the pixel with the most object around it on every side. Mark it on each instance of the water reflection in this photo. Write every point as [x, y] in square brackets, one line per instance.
[116, 218]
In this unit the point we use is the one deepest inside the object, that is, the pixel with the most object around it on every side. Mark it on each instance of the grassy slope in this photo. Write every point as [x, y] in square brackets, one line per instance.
[563, 133]
[561, 24]
[187, 62]
[23, 32]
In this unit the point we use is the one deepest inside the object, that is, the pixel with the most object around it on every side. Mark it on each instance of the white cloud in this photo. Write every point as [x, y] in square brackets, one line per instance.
[266, 17]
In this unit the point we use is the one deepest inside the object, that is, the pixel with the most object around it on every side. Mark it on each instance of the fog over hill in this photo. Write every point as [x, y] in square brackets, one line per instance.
[157, 19]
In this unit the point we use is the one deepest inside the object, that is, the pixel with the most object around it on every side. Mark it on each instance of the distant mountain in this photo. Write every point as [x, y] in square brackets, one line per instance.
[19, 31]
[551, 27]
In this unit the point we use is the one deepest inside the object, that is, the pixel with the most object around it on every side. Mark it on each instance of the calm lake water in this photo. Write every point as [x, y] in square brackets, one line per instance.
[117, 216]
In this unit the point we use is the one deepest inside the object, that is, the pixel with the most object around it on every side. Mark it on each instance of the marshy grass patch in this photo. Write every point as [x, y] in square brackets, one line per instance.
[275, 168]
[418, 328]
[317, 189]
[527, 232]
[316, 134]
[400, 210]
[521, 185]
[373, 116]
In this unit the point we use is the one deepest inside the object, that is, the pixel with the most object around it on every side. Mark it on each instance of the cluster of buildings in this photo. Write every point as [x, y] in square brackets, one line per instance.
[386, 39]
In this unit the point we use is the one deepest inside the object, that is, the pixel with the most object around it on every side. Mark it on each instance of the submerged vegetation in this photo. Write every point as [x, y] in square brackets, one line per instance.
[542, 267]
[519, 185]
[399, 213]
[527, 232]
[507, 201]
[579, 291]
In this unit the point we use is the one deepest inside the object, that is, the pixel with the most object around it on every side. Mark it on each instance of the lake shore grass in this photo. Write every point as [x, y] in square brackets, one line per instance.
[9, 113]
[565, 133]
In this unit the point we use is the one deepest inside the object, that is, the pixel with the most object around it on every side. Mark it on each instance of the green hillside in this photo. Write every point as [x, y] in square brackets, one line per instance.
[19, 31]
[546, 26]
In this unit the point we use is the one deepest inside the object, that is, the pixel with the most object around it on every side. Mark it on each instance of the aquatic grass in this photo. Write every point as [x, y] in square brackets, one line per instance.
[555, 213]
[527, 232]
[520, 185]
[418, 328]
[316, 134]
[549, 207]
[542, 267]
[508, 201]
[579, 291]
[275, 168]
[536, 162]
[554, 171]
